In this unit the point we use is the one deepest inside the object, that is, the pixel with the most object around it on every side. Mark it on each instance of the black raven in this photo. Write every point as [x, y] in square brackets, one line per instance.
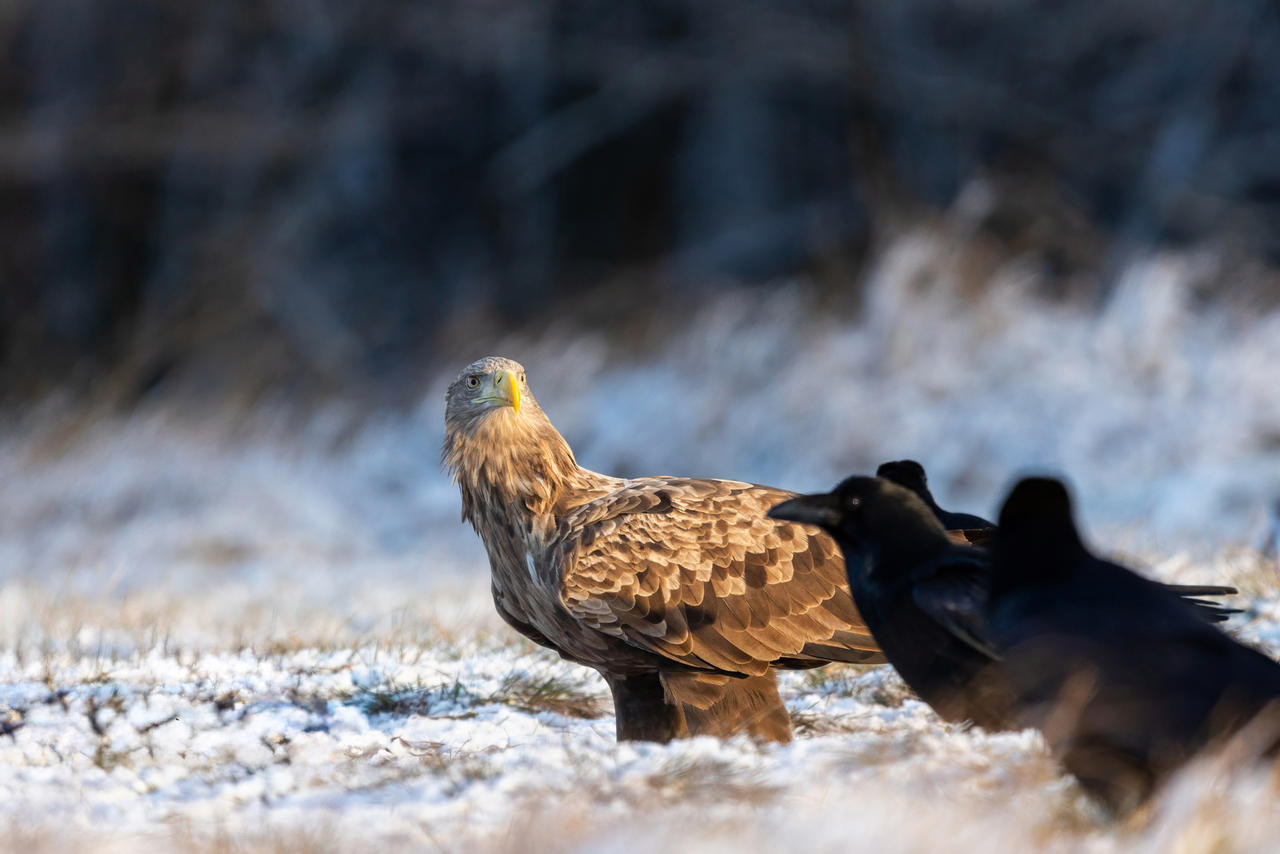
[923, 596]
[1125, 678]
[975, 530]
[910, 474]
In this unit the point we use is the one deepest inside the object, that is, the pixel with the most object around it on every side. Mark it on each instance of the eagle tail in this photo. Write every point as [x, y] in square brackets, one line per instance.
[724, 706]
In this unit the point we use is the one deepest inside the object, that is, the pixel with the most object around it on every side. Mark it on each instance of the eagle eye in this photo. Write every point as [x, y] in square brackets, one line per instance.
[522, 376]
[473, 381]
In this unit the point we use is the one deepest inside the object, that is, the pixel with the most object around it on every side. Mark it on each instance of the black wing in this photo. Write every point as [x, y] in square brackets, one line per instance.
[953, 591]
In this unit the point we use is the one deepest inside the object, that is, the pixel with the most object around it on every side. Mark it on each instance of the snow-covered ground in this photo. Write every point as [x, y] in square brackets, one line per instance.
[274, 632]
[461, 738]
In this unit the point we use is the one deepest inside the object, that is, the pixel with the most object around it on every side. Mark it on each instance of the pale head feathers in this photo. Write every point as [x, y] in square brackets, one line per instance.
[498, 453]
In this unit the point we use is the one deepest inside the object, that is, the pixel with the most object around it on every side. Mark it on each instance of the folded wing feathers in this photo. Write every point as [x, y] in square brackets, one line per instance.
[693, 571]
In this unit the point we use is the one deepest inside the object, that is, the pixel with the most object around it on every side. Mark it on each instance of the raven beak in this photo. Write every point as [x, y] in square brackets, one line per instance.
[820, 509]
[506, 390]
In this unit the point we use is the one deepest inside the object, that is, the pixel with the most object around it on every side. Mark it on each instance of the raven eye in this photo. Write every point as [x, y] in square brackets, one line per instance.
[855, 503]
[473, 382]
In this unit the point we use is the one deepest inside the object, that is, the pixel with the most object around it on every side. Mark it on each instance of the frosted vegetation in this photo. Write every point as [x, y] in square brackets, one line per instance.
[274, 631]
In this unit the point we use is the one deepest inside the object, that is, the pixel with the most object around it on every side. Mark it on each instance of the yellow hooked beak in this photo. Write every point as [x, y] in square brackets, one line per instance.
[506, 389]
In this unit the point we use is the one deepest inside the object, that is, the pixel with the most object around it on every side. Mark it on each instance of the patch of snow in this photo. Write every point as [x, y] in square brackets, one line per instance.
[387, 744]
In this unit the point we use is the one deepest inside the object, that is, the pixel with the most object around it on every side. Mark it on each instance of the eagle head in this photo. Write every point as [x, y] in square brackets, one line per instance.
[499, 444]
[487, 388]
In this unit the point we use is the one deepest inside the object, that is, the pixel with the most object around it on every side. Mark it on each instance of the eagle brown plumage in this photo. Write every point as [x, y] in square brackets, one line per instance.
[681, 592]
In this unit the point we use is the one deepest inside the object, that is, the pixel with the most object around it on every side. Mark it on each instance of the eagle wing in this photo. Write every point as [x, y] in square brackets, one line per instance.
[693, 571]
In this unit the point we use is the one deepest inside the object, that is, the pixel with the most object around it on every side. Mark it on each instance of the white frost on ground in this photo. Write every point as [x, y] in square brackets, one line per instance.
[276, 633]
[428, 738]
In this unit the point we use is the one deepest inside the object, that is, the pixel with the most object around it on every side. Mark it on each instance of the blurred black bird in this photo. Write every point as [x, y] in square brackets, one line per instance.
[910, 474]
[1126, 679]
[968, 528]
[924, 596]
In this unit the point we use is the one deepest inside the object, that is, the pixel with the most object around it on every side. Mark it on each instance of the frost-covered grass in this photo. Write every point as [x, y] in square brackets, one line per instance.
[420, 735]
[273, 632]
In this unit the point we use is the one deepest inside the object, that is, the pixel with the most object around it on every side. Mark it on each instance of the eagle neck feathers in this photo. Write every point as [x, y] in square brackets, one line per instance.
[515, 472]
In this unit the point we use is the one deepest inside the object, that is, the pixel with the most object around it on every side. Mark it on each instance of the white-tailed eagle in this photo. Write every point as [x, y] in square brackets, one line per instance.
[681, 592]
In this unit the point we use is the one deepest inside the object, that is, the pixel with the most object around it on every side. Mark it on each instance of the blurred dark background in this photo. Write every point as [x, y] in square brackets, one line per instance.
[305, 196]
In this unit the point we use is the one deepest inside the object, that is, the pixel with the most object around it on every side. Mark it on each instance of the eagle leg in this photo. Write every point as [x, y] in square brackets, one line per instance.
[642, 710]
